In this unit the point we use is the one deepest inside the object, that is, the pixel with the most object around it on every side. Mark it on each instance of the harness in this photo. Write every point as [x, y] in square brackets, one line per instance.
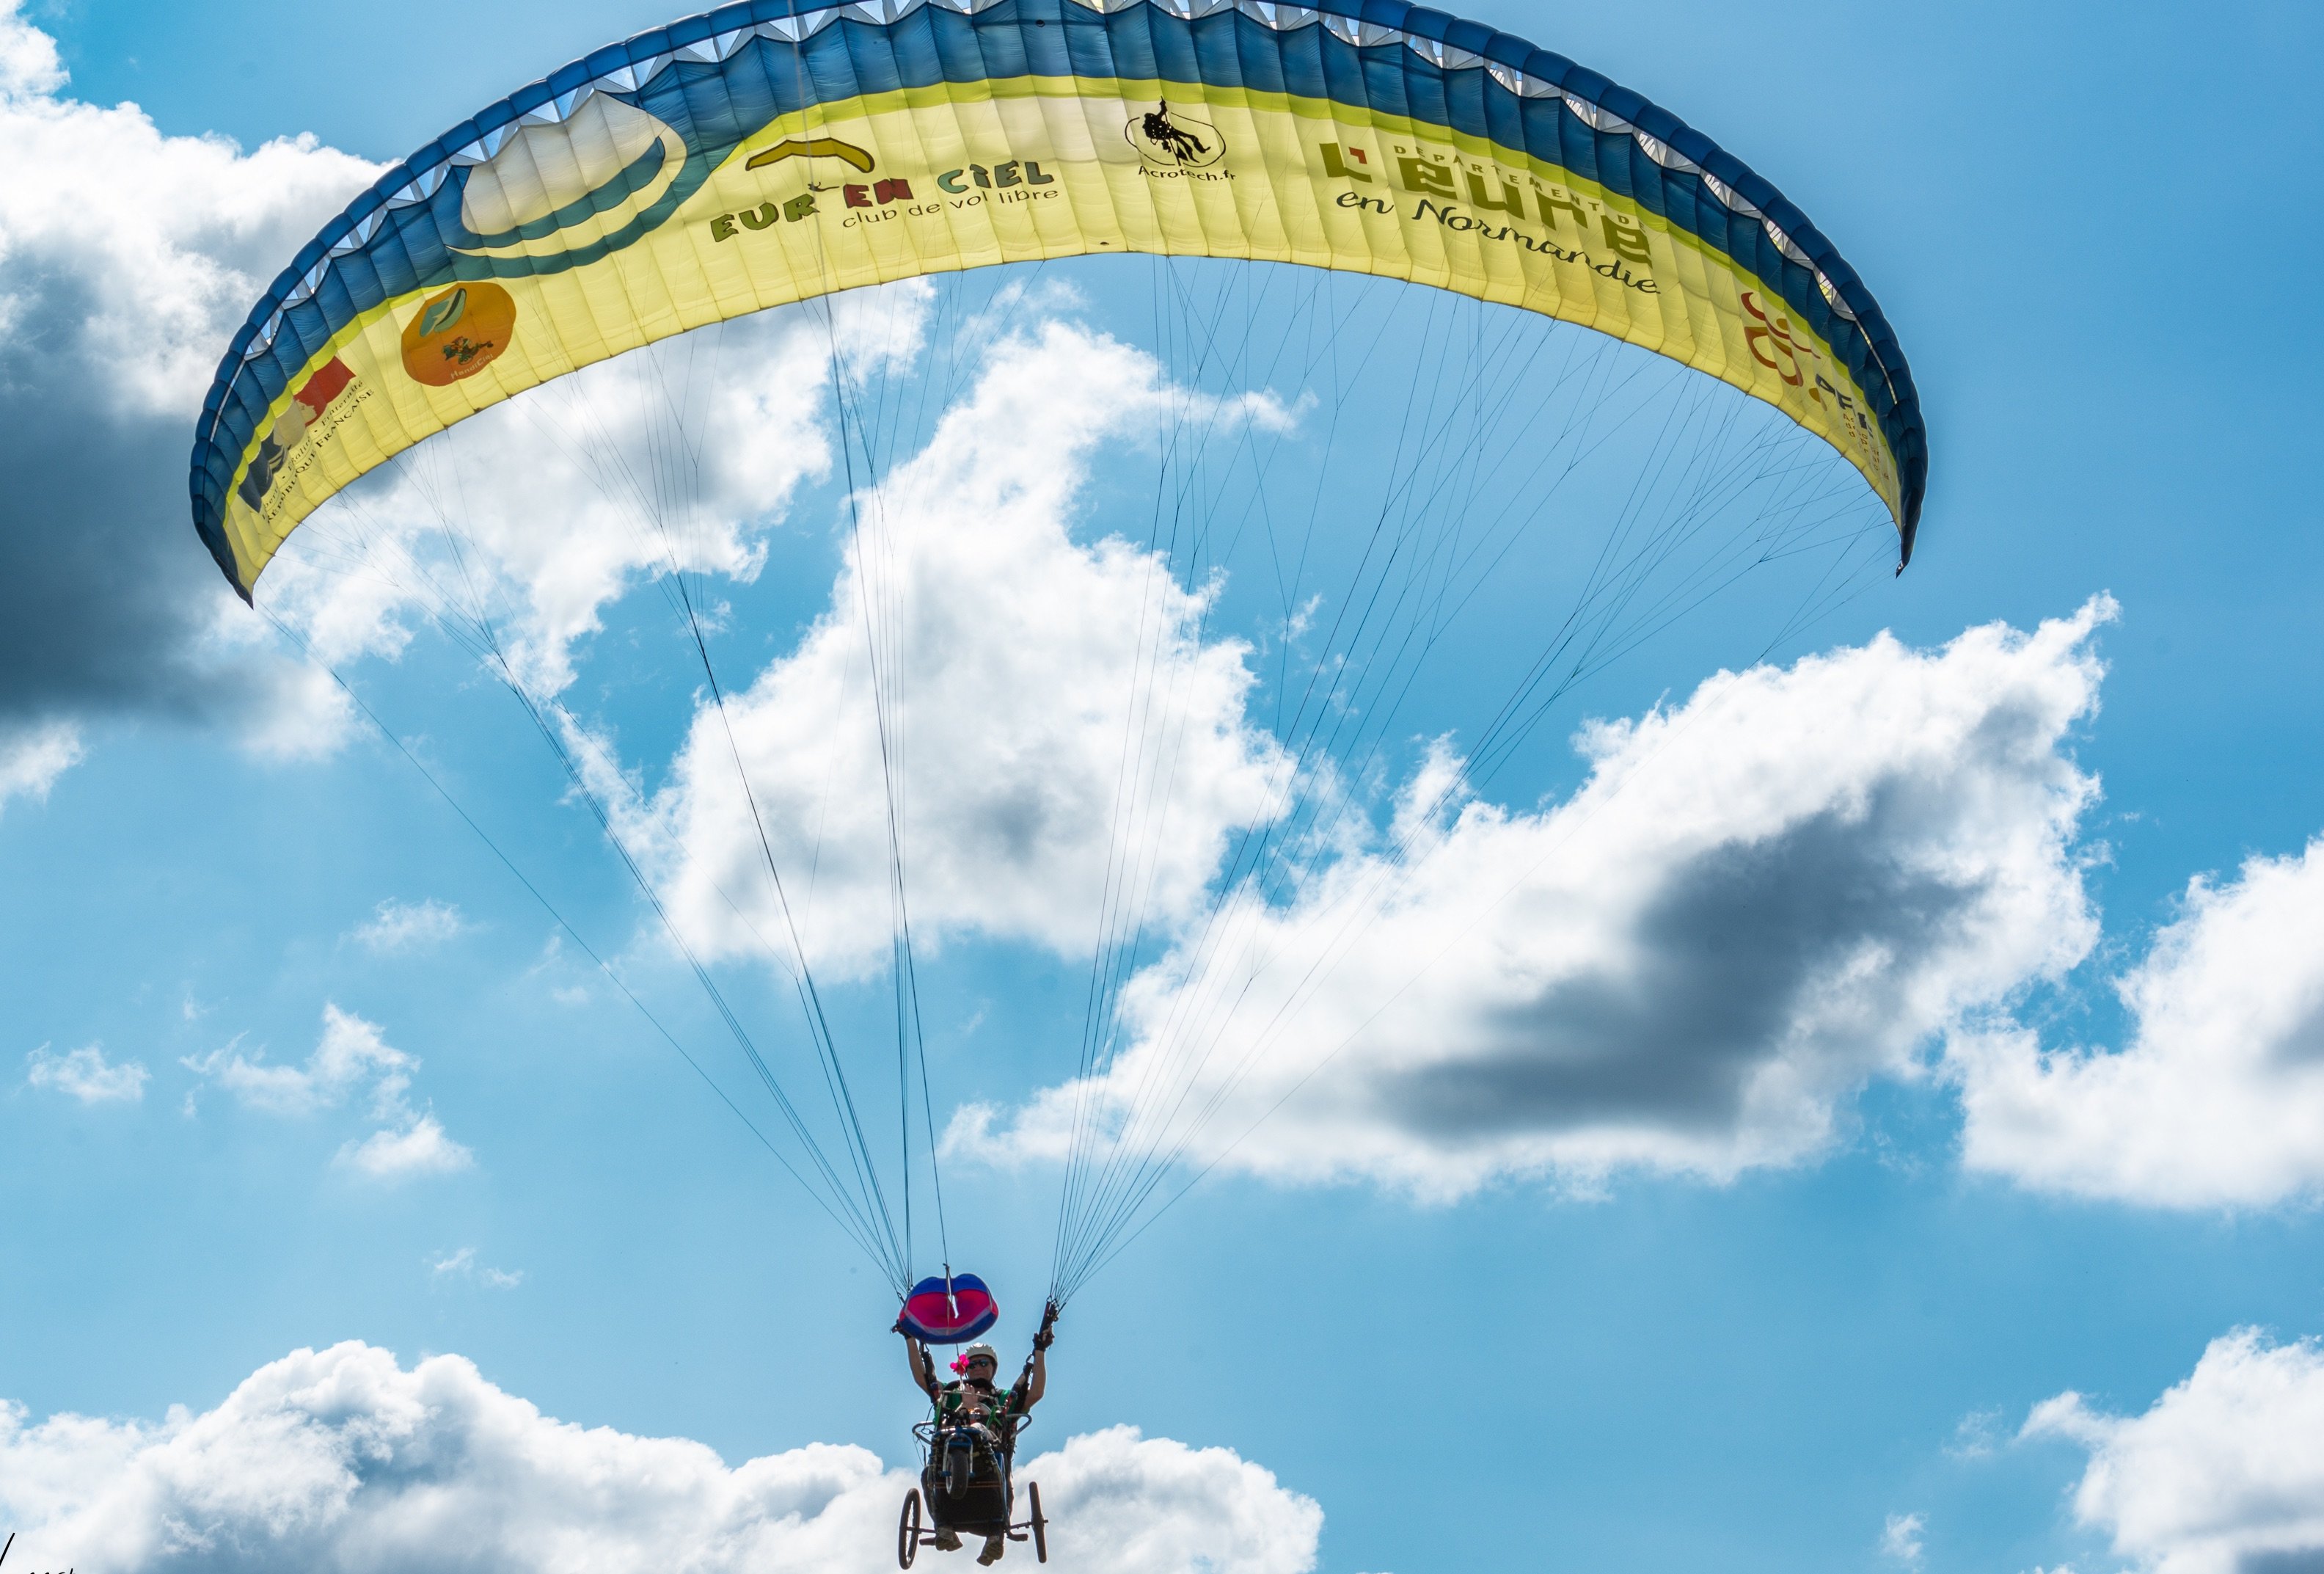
[998, 1424]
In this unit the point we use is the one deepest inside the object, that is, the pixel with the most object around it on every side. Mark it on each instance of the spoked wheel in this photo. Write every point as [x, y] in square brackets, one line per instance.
[907, 1530]
[1040, 1525]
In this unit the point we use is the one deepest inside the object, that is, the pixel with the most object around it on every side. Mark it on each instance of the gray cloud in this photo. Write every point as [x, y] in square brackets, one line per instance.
[2308, 1562]
[109, 601]
[1728, 952]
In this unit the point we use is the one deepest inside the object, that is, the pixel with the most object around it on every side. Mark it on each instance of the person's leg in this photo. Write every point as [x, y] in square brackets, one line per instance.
[947, 1539]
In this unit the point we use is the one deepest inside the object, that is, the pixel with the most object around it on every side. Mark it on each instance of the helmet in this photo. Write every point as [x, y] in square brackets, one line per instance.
[972, 1352]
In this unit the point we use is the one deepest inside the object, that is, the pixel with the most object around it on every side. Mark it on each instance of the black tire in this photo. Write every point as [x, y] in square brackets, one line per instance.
[907, 1530]
[960, 1464]
[1040, 1525]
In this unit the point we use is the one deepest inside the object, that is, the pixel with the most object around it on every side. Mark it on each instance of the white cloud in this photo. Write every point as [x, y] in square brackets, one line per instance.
[410, 926]
[1755, 903]
[350, 1053]
[2218, 1100]
[341, 1458]
[28, 57]
[305, 714]
[1975, 1436]
[1016, 653]
[351, 1056]
[418, 1147]
[463, 1266]
[2223, 1475]
[85, 1075]
[1130, 1504]
[32, 757]
[1900, 1539]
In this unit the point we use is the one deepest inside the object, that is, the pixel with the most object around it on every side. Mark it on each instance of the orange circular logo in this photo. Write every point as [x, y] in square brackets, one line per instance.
[459, 333]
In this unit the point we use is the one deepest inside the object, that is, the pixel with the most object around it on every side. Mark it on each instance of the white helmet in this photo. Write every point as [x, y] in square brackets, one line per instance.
[973, 1351]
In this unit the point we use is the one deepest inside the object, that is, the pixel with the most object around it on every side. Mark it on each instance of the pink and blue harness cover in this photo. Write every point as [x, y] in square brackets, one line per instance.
[949, 1312]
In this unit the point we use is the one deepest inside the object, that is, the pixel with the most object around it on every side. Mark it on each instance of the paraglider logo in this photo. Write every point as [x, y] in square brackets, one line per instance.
[819, 147]
[557, 187]
[290, 429]
[1773, 338]
[1173, 140]
[459, 333]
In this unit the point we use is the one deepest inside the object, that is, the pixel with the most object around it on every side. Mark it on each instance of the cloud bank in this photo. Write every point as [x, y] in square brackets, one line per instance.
[1758, 900]
[2223, 1475]
[126, 259]
[341, 1458]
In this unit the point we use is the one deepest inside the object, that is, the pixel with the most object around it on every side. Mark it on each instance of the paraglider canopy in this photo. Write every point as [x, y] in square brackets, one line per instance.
[953, 1310]
[781, 150]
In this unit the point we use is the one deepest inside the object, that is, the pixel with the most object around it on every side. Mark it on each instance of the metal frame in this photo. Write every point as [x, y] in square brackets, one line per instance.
[916, 1526]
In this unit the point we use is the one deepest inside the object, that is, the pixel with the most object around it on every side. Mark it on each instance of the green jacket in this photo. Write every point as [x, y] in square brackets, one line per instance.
[957, 1401]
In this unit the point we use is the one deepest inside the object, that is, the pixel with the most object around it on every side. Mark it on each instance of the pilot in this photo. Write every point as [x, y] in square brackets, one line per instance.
[973, 1409]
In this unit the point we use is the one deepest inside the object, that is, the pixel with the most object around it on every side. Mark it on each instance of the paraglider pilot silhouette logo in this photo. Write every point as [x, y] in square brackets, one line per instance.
[1175, 141]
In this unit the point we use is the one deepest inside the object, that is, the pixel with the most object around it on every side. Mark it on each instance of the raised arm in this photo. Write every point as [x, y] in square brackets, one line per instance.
[924, 1368]
[1036, 1367]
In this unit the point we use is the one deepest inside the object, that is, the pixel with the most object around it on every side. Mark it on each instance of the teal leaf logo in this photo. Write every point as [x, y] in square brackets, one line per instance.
[444, 313]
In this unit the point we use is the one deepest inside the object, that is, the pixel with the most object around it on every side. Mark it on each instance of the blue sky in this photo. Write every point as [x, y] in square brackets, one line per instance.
[1841, 1335]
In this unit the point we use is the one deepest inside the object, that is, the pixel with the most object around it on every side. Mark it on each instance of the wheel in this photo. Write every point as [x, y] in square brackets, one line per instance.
[1040, 1525]
[907, 1530]
[960, 1464]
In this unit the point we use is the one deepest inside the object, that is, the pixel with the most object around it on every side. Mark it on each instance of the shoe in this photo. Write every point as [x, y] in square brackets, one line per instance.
[947, 1539]
[993, 1547]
